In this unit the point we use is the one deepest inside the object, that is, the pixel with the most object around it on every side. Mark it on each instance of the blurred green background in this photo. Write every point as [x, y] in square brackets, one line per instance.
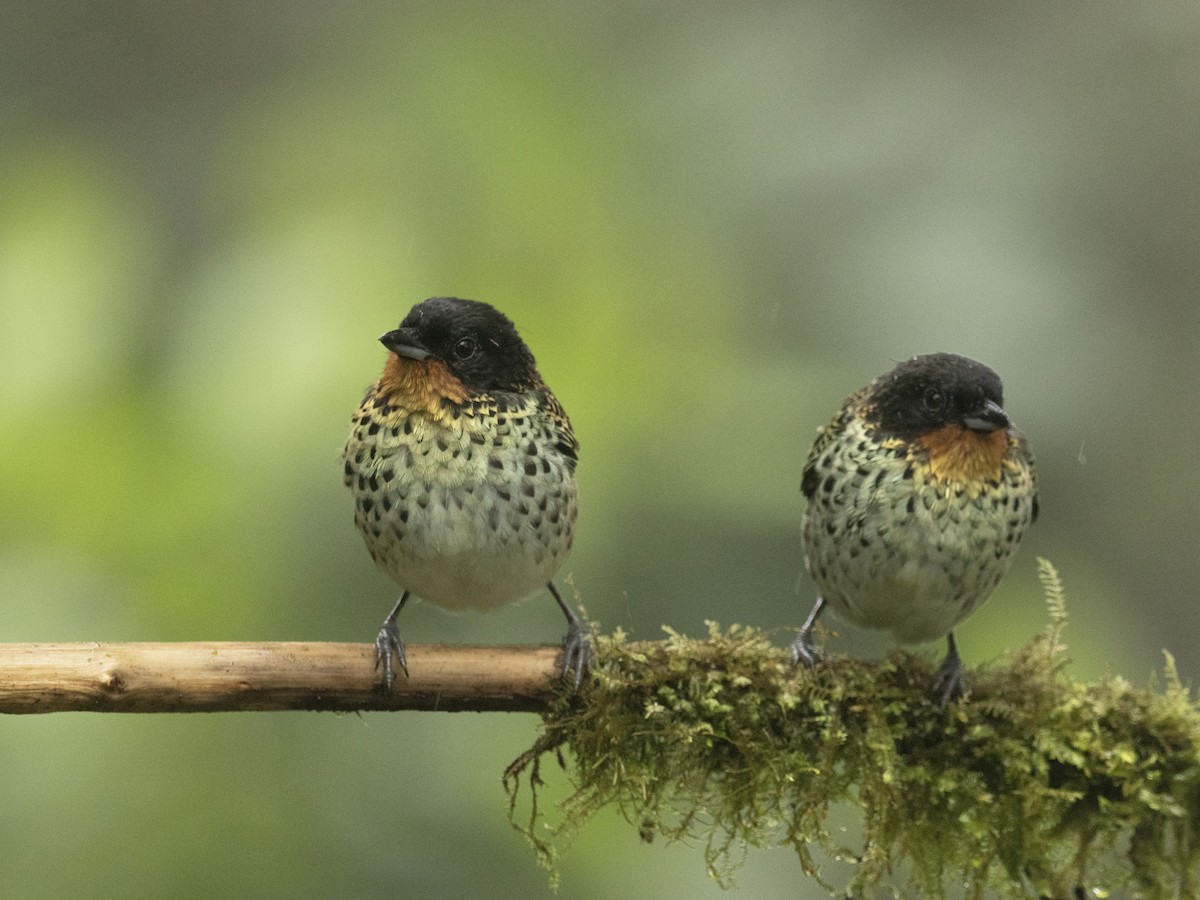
[711, 222]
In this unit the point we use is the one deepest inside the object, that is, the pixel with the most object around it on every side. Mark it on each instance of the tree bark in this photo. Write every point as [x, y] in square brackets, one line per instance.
[245, 677]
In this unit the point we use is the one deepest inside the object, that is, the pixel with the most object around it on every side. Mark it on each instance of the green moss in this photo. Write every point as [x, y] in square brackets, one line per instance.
[1035, 786]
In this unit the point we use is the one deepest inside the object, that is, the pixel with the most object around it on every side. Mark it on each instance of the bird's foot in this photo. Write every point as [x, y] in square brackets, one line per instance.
[950, 680]
[577, 645]
[387, 645]
[577, 650]
[803, 650]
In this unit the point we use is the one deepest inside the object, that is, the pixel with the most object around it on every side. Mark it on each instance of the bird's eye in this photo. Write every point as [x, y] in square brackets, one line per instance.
[933, 399]
[466, 348]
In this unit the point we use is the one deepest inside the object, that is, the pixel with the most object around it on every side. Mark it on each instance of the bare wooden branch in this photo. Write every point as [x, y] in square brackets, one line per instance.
[242, 677]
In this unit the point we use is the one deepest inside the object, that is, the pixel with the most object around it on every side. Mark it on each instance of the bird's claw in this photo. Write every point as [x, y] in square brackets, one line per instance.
[577, 650]
[803, 650]
[387, 645]
[950, 680]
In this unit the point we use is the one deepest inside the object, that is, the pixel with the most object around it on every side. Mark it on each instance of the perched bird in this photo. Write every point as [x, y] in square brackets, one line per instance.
[919, 492]
[462, 466]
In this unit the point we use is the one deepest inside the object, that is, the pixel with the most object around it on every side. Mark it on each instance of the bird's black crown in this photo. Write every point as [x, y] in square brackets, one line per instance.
[926, 393]
[476, 341]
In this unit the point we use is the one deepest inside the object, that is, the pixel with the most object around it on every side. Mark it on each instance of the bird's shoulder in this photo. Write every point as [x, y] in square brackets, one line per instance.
[835, 429]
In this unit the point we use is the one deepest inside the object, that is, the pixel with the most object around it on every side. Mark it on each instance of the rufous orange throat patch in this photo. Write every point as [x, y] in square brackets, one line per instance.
[420, 384]
[960, 454]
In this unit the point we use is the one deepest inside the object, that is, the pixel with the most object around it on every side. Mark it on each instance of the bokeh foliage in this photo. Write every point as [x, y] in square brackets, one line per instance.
[711, 222]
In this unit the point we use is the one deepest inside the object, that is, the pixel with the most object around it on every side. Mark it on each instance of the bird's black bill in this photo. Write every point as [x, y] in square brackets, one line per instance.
[989, 417]
[403, 342]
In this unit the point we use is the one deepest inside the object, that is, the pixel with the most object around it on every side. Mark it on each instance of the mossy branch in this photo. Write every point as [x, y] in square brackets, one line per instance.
[1035, 786]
